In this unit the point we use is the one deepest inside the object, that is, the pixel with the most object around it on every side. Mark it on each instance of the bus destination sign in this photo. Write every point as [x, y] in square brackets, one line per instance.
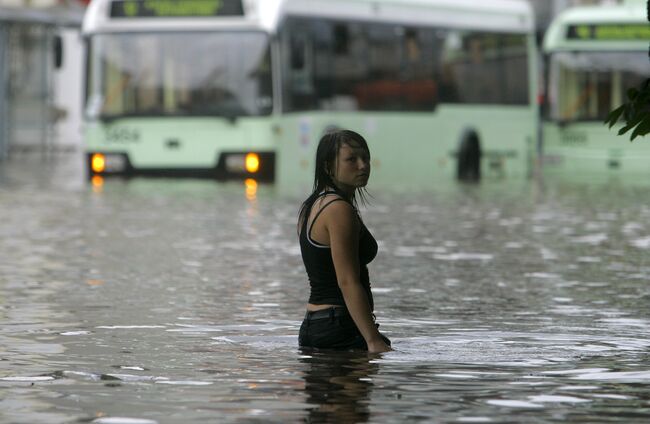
[175, 8]
[609, 32]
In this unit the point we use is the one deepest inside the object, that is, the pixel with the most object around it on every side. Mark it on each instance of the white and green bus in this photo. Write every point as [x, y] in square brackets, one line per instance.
[245, 88]
[593, 55]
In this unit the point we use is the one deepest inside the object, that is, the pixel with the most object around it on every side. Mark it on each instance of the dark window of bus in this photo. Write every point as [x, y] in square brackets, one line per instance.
[323, 38]
[348, 67]
[333, 66]
[298, 47]
[515, 68]
[591, 98]
[585, 86]
[260, 75]
[382, 88]
[419, 89]
[484, 68]
[341, 39]
[298, 68]
[178, 74]
[361, 66]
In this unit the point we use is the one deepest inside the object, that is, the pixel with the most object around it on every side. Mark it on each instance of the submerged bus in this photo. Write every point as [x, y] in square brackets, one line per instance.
[593, 55]
[246, 88]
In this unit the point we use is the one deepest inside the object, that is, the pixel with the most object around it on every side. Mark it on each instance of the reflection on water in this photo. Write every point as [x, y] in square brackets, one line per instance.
[165, 301]
[338, 386]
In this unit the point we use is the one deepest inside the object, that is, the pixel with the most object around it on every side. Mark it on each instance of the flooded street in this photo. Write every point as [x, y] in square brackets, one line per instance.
[179, 301]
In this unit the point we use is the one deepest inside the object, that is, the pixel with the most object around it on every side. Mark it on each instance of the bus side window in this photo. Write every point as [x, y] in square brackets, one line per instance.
[301, 65]
[419, 88]
[514, 68]
[381, 89]
[344, 69]
[341, 40]
[411, 51]
[298, 53]
[301, 77]
[473, 57]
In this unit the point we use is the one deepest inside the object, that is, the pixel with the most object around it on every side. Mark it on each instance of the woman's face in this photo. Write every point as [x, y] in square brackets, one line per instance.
[352, 168]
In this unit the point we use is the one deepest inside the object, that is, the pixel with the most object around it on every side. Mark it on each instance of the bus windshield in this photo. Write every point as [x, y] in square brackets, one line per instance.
[179, 74]
[586, 86]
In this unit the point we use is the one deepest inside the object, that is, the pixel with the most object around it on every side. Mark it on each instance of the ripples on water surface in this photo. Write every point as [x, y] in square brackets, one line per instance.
[162, 301]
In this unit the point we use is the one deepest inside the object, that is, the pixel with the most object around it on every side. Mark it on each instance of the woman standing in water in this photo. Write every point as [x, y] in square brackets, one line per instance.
[336, 248]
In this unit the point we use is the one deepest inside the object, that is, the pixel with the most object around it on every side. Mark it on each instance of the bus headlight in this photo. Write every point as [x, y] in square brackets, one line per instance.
[107, 162]
[243, 162]
[241, 165]
[98, 163]
[252, 162]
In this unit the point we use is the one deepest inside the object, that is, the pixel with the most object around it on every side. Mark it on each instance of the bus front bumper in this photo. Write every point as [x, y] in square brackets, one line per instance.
[259, 165]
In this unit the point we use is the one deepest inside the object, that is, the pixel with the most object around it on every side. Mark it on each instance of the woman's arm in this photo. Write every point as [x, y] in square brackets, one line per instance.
[342, 225]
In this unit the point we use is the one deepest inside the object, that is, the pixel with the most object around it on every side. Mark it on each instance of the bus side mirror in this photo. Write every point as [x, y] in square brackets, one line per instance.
[58, 51]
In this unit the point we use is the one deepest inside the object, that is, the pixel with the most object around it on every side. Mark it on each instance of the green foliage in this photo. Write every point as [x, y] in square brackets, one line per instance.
[635, 112]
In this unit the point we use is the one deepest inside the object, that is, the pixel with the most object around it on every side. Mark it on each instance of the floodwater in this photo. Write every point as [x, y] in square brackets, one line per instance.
[179, 301]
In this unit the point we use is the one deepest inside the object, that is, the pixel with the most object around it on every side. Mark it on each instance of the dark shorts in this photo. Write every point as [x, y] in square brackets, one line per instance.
[331, 328]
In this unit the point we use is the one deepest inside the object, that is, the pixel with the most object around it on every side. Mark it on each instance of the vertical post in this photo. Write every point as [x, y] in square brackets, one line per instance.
[4, 134]
[45, 101]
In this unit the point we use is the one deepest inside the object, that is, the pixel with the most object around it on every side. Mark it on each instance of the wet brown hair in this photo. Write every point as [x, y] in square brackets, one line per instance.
[326, 156]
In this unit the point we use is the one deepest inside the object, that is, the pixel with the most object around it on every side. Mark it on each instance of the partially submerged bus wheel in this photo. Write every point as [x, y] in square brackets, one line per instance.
[469, 157]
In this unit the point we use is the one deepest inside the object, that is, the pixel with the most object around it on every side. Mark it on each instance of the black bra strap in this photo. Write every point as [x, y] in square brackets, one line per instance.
[303, 226]
[319, 212]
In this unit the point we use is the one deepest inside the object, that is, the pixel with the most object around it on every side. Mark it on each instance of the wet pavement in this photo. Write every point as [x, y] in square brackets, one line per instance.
[168, 301]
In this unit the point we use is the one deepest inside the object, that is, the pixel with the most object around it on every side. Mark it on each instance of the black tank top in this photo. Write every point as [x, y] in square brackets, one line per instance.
[320, 266]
